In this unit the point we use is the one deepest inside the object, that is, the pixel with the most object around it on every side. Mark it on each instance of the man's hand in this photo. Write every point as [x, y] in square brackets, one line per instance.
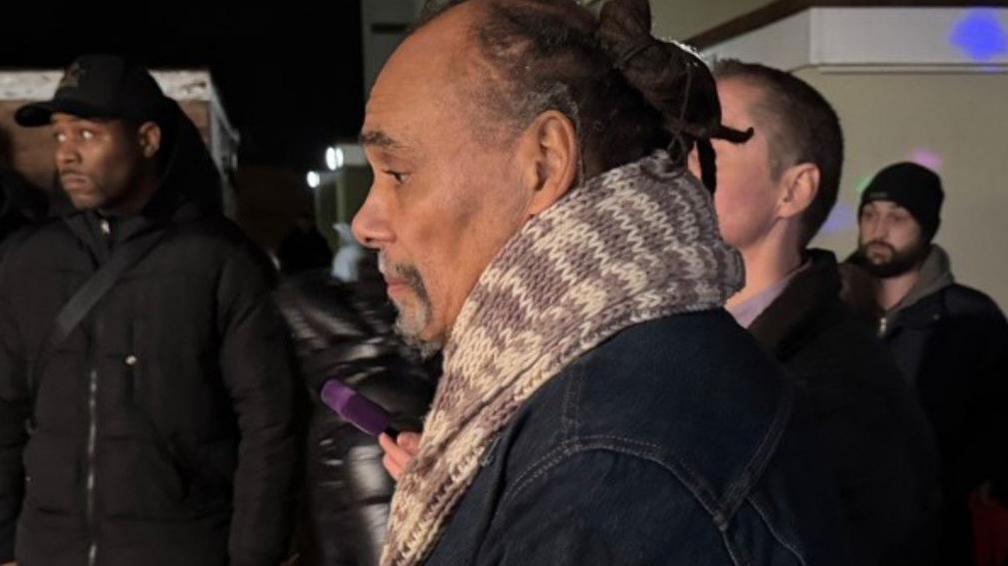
[9, 564]
[398, 452]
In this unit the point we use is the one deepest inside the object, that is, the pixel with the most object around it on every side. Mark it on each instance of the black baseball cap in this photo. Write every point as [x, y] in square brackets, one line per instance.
[99, 86]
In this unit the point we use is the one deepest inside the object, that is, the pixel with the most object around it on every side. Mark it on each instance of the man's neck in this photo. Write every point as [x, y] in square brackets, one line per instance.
[892, 290]
[766, 264]
[133, 204]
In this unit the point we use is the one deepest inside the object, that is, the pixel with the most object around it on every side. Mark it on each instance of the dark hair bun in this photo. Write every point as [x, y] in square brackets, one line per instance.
[672, 78]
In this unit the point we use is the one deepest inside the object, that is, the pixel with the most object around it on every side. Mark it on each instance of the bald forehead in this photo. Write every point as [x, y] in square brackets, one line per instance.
[430, 78]
[439, 47]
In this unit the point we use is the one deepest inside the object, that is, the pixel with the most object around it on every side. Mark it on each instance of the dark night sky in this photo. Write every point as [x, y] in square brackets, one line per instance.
[289, 73]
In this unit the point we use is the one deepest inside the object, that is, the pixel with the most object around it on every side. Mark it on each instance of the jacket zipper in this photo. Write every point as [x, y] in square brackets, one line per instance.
[106, 231]
[92, 440]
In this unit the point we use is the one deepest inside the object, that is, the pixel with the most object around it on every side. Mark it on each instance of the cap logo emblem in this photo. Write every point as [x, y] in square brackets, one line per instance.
[72, 77]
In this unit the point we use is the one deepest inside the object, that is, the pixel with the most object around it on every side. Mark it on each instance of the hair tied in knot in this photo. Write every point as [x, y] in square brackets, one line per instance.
[624, 30]
[677, 126]
[634, 50]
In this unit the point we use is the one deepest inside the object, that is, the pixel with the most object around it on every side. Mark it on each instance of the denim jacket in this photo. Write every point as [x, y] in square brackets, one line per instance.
[671, 443]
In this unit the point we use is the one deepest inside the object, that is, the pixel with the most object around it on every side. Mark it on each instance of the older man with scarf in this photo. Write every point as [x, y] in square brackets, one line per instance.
[535, 221]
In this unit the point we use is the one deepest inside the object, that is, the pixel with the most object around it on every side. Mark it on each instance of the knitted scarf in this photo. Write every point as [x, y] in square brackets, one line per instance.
[636, 243]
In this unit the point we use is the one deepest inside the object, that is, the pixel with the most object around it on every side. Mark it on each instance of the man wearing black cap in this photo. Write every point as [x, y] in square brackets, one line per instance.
[951, 341]
[146, 395]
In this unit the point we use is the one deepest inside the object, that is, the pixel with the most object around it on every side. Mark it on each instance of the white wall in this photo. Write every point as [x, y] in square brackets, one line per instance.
[681, 19]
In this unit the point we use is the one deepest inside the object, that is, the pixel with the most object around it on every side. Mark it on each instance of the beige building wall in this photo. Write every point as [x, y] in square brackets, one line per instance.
[682, 19]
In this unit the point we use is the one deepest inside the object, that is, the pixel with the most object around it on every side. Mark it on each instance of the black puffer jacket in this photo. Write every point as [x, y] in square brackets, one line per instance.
[345, 332]
[163, 424]
[951, 342]
[20, 203]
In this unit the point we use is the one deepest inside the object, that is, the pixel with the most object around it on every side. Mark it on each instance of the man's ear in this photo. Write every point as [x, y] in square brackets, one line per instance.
[800, 186]
[149, 137]
[549, 157]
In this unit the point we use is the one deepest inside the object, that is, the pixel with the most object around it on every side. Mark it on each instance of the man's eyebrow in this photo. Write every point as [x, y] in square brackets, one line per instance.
[378, 138]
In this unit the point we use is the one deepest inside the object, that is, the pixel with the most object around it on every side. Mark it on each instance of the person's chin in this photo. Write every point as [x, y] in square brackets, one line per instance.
[85, 201]
[877, 255]
[414, 336]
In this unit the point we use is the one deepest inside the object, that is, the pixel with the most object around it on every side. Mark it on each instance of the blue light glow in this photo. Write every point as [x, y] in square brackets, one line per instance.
[980, 35]
[840, 219]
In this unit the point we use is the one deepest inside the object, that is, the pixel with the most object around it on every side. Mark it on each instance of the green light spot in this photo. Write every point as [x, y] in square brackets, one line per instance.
[862, 184]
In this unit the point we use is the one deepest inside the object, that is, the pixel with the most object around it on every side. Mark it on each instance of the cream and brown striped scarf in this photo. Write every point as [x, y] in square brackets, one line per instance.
[635, 243]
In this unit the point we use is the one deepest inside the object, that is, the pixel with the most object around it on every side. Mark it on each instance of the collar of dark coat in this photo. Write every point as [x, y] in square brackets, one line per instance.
[84, 224]
[812, 291]
[923, 312]
[935, 275]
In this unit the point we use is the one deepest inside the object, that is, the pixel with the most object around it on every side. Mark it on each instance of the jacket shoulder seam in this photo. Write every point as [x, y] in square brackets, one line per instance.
[687, 476]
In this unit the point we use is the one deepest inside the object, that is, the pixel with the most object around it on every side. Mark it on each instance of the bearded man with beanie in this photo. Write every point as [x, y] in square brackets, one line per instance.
[950, 341]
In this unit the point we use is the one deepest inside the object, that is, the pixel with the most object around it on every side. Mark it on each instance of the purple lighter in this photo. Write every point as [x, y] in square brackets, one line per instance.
[357, 409]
